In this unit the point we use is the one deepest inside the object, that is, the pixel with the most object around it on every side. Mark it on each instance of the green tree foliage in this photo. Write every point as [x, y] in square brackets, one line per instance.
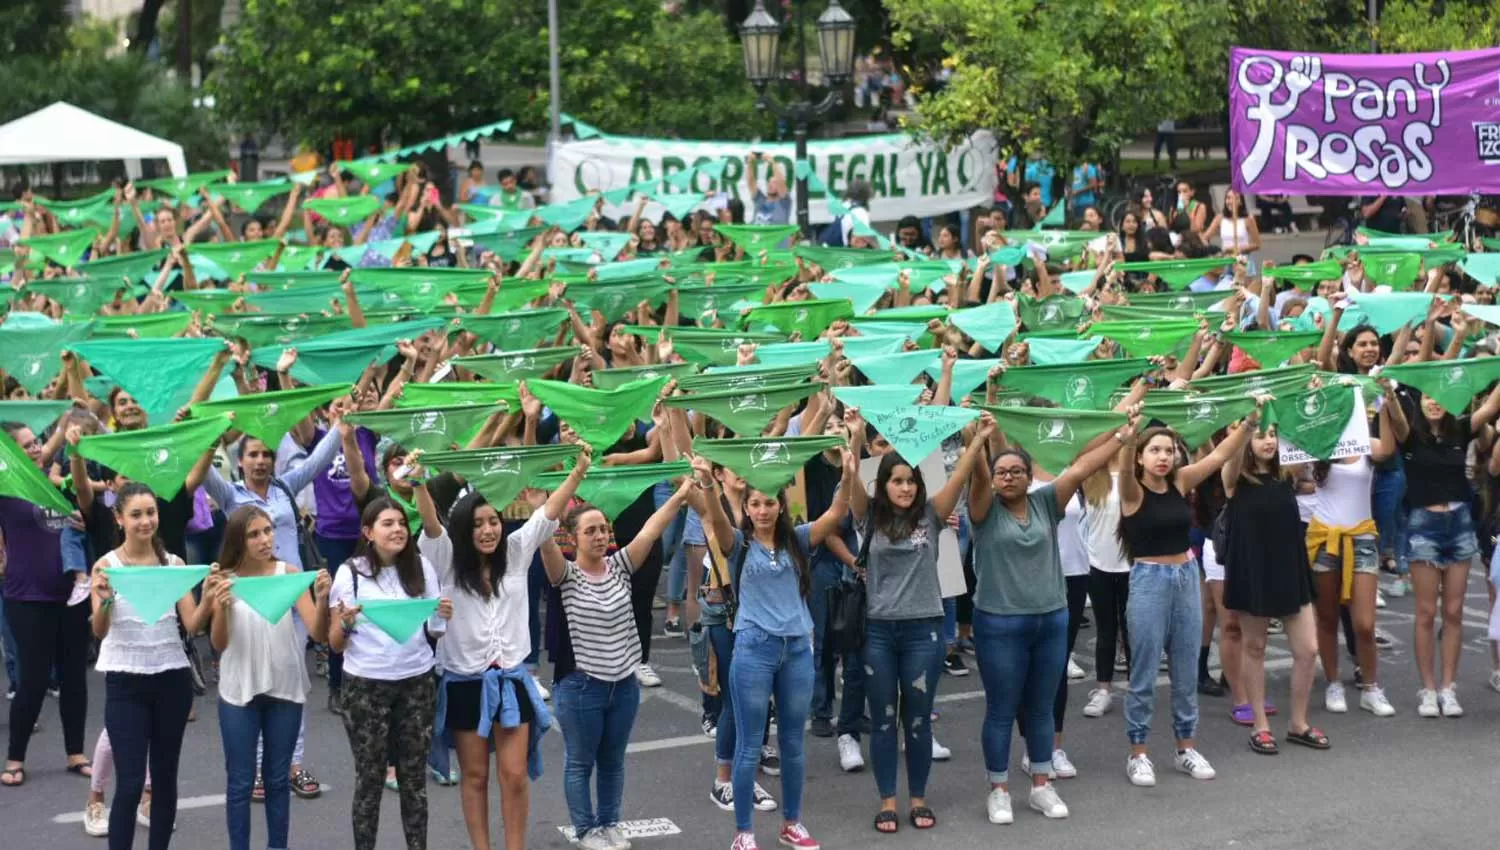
[1414, 26]
[34, 28]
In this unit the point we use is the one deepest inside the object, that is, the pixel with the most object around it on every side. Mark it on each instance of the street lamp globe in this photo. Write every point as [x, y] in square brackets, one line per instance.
[835, 44]
[760, 36]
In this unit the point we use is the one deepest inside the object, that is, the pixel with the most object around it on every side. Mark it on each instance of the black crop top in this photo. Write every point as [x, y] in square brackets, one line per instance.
[1159, 527]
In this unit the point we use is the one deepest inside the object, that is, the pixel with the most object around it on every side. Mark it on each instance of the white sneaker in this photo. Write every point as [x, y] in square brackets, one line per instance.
[1427, 703]
[1044, 799]
[1192, 762]
[940, 752]
[595, 840]
[1397, 588]
[1495, 680]
[1140, 770]
[1379, 599]
[1373, 700]
[1333, 698]
[79, 593]
[646, 676]
[998, 807]
[1099, 703]
[1074, 671]
[616, 838]
[1448, 702]
[850, 758]
[96, 820]
[541, 689]
[1062, 767]
[143, 814]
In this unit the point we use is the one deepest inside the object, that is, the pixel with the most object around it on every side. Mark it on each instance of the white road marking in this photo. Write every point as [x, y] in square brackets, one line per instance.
[206, 801]
[650, 828]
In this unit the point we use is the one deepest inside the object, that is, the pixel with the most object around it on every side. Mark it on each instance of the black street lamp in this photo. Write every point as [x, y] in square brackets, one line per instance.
[760, 36]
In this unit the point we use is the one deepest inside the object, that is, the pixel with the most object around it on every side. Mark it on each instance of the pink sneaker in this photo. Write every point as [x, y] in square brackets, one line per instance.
[744, 841]
[796, 835]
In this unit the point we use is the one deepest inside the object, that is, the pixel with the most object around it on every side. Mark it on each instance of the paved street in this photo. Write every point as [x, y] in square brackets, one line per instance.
[1391, 783]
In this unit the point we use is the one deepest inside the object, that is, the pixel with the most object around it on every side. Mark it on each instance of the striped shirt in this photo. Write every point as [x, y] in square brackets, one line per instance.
[601, 622]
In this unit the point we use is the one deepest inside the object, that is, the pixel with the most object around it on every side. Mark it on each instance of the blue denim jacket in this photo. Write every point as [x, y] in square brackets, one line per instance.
[493, 696]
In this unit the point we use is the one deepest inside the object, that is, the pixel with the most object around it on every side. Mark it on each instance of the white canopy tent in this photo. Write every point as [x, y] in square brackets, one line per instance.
[64, 133]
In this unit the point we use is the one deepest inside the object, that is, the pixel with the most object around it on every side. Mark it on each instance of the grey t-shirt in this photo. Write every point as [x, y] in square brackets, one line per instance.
[902, 578]
[1018, 565]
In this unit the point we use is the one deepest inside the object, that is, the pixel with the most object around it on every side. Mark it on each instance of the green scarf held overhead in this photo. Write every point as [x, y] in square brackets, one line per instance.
[1061, 244]
[698, 301]
[341, 358]
[810, 318]
[991, 324]
[270, 329]
[36, 415]
[1056, 217]
[141, 325]
[1055, 312]
[831, 260]
[610, 379]
[421, 243]
[796, 353]
[892, 395]
[1195, 418]
[1273, 348]
[159, 457]
[614, 300]
[1319, 308]
[679, 205]
[1180, 302]
[1177, 273]
[288, 280]
[427, 429]
[372, 173]
[183, 187]
[137, 267]
[1076, 282]
[1389, 312]
[599, 417]
[747, 377]
[401, 619]
[569, 215]
[744, 411]
[33, 355]
[80, 296]
[450, 393]
[900, 368]
[524, 327]
[269, 416]
[718, 349]
[250, 197]
[500, 474]
[416, 286]
[968, 375]
[1487, 313]
[862, 297]
[612, 489]
[66, 248]
[1147, 339]
[296, 258]
[272, 596]
[154, 591]
[1403, 241]
[311, 298]
[766, 464]
[98, 210]
[917, 430]
[21, 479]
[346, 211]
[160, 373]
[1453, 384]
[1050, 352]
[1484, 268]
[753, 238]
[883, 274]
[519, 365]
[1307, 275]
[877, 339]
[1010, 255]
[1398, 271]
[1313, 420]
[514, 294]
[608, 244]
[625, 193]
[1053, 436]
[1079, 386]
[234, 258]
[1288, 379]
[627, 270]
[1126, 313]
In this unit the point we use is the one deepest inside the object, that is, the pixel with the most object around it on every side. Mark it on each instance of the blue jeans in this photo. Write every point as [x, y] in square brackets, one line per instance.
[75, 550]
[827, 572]
[766, 665]
[276, 722]
[905, 660]
[596, 717]
[1390, 517]
[145, 715]
[671, 549]
[1021, 658]
[1164, 612]
[725, 737]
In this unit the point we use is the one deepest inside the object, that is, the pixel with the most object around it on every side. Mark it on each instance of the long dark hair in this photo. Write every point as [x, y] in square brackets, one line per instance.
[1346, 363]
[236, 529]
[784, 535]
[469, 564]
[407, 562]
[127, 492]
[897, 524]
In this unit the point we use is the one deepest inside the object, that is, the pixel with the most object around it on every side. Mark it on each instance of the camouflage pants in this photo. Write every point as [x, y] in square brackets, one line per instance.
[393, 717]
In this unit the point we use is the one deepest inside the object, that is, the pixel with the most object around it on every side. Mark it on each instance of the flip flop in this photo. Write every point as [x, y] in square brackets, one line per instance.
[81, 768]
[17, 777]
[1312, 737]
[1264, 742]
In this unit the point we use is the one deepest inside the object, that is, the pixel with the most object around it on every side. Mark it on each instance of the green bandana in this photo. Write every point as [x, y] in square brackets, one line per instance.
[136, 267]
[799, 353]
[1056, 217]
[1050, 352]
[1058, 311]
[1313, 420]
[1389, 312]
[183, 187]
[876, 341]
[570, 215]
[141, 325]
[625, 193]
[272, 596]
[1288, 379]
[1451, 383]
[1196, 418]
[269, 329]
[269, 416]
[831, 260]
[418, 287]
[454, 392]
[1307, 275]
[401, 619]
[1079, 386]
[1053, 436]
[344, 212]
[1272, 348]
[719, 348]
[233, 258]
[21, 479]
[309, 298]
[36, 415]
[614, 300]
[515, 294]
[32, 355]
[500, 474]
[1147, 339]
[697, 301]
[1484, 268]
[810, 318]
[373, 173]
[757, 237]
[612, 489]
[991, 325]
[252, 196]
[65, 248]
[153, 591]
[862, 297]
[1076, 282]
[892, 395]
[505, 366]
[80, 296]
[747, 377]
[98, 209]
[916, 430]
[1127, 313]
[298, 258]
[766, 464]
[626, 269]
[159, 457]
[900, 368]
[1062, 245]
[610, 379]
[1177, 273]
[888, 330]
[968, 375]
[526, 327]
[748, 411]
[1398, 271]
[427, 429]
[292, 280]
[609, 245]
[341, 358]
[1180, 302]
[599, 417]
[1380, 237]
[679, 205]
[159, 373]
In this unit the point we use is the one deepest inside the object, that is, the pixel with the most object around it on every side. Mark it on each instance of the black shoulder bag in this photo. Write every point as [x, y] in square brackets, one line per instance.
[312, 559]
[847, 605]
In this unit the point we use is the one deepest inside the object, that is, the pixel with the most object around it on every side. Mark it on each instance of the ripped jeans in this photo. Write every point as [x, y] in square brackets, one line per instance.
[903, 661]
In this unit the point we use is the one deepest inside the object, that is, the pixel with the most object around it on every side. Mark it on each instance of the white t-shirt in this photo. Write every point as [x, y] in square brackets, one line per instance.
[495, 630]
[371, 653]
[1343, 500]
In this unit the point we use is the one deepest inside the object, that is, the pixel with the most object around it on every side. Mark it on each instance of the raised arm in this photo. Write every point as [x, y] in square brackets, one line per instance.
[1233, 447]
[944, 501]
[640, 547]
[557, 503]
[1487, 411]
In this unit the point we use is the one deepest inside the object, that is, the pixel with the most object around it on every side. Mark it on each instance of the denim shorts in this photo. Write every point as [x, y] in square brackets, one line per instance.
[1366, 557]
[1442, 537]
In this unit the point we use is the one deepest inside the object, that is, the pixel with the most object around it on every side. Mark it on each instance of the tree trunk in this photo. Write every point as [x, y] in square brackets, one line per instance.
[145, 28]
[185, 41]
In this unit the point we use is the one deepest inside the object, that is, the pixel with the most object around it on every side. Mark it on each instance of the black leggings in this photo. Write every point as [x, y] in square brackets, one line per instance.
[48, 633]
[145, 716]
[642, 594]
[1110, 592]
[1078, 591]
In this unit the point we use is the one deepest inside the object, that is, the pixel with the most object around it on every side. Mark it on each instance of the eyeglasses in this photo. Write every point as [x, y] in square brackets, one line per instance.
[1010, 473]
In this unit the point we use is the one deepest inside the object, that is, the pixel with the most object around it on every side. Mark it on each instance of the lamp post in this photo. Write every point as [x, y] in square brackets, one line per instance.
[760, 36]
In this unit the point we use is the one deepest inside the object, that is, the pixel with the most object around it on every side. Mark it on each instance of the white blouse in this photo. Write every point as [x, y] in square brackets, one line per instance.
[262, 658]
[371, 653]
[135, 646]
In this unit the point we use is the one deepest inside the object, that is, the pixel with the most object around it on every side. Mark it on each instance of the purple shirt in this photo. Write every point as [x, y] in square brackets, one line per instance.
[33, 553]
[338, 510]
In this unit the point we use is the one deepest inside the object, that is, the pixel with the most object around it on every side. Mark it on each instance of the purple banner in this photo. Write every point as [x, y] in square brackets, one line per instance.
[1335, 124]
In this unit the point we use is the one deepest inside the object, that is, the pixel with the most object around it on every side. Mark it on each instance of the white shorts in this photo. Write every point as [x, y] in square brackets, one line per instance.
[1212, 569]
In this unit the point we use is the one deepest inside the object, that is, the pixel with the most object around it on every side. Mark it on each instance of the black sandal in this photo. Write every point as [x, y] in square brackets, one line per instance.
[1264, 742]
[922, 813]
[1312, 737]
[887, 817]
